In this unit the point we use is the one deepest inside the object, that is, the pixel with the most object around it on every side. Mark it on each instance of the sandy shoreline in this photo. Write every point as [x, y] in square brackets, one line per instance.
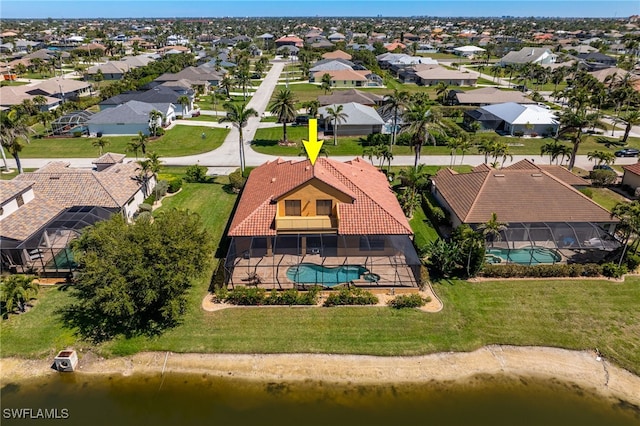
[581, 368]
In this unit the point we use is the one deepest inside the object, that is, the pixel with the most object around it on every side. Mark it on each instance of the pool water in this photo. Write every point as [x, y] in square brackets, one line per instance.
[63, 260]
[523, 256]
[310, 273]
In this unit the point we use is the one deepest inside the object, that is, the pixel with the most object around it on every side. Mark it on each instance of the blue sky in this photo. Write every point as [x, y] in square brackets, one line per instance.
[241, 8]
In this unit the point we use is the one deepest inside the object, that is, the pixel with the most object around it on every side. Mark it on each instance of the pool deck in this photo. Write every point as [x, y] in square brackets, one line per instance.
[271, 272]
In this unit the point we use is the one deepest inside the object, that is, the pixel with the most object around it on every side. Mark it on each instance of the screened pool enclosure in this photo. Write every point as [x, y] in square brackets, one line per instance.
[327, 260]
[47, 251]
[543, 243]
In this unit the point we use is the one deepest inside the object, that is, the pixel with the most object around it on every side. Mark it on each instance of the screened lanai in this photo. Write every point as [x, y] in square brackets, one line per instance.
[543, 242]
[75, 121]
[47, 251]
[327, 260]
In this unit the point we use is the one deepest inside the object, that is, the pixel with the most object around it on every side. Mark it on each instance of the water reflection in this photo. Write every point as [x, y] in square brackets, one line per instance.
[179, 399]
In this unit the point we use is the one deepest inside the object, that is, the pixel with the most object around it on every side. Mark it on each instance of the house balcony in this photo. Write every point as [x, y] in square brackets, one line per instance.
[306, 223]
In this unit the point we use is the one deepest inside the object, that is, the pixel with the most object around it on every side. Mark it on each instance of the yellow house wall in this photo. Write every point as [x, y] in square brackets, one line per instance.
[309, 193]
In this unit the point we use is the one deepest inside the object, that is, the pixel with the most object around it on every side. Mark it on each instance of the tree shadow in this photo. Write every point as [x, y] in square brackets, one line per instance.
[610, 143]
[264, 142]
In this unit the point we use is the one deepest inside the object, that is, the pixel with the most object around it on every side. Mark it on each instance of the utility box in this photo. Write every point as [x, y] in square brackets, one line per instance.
[66, 361]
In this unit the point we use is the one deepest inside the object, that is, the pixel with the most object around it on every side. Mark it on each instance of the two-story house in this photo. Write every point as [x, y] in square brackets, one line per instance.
[340, 222]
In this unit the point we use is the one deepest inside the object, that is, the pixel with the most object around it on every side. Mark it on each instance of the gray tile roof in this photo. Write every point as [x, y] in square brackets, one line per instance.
[128, 113]
[357, 114]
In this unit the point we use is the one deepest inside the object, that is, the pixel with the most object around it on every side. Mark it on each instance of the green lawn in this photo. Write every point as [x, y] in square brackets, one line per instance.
[606, 197]
[13, 173]
[570, 314]
[423, 230]
[181, 140]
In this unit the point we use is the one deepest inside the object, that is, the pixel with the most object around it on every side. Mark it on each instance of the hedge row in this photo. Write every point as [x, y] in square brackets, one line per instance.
[351, 296]
[252, 296]
[434, 212]
[408, 301]
[541, 271]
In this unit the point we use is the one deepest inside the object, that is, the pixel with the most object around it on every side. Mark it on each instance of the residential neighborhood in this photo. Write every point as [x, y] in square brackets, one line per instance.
[475, 182]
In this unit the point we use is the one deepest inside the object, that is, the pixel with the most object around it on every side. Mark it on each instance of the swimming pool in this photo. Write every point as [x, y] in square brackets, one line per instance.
[524, 256]
[310, 273]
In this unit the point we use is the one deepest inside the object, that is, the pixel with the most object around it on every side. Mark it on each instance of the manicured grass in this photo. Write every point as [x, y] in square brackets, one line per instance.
[39, 332]
[13, 173]
[607, 198]
[423, 230]
[181, 140]
[567, 314]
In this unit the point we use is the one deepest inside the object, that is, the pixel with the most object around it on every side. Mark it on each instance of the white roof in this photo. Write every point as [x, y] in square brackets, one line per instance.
[469, 49]
[357, 114]
[514, 113]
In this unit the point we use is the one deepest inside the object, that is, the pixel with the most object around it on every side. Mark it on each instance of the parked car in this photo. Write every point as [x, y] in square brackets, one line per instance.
[302, 120]
[627, 152]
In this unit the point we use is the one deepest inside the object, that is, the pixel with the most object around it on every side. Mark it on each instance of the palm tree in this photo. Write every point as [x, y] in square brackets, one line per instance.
[421, 123]
[572, 124]
[453, 144]
[629, 225]
[238, 115]
[16, 291]
[326, 83]
[312, 107]
[154, 116]
[442, 91]
[395, 102]
[631, 118]
[243, 79]
[184, 102]
[284, 106]
[141, 140]
[555, 150]
[491, 229]
[226, 84]
[14, 132]
[601, 157]
[100, 143]
[149, 167]
[337, 116]
[465, 146]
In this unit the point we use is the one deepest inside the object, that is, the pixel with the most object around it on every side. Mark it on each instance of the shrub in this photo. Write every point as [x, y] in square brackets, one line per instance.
[611, 270]
[246, 296]
[587, 191]
[174, 185]
[632, 261]
[602, 177]
[518, 134]
[160, 131]
[351, 296]
[144, 207]
[161, 188]
[196, 174]
[403, 139]
[256, 296]
[434, 212]
[424, 277]
[237, 181]
[408, 301]
[77, 134]
[541, 271]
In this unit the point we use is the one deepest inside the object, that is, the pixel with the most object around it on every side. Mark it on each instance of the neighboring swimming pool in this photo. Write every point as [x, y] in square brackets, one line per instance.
[524, 256]
[310, 273]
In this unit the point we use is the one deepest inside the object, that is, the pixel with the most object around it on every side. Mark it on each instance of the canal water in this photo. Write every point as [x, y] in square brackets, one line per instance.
[179, 399]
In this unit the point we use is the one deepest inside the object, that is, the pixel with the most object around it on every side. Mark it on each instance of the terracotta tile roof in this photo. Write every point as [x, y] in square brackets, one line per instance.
[337, 54]
[517, 194]
[374, 209]
[10, 188]
[632, 168]
[558, 172]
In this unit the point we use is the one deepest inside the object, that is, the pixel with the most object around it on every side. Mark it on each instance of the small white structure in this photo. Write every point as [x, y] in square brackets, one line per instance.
[66, 361]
